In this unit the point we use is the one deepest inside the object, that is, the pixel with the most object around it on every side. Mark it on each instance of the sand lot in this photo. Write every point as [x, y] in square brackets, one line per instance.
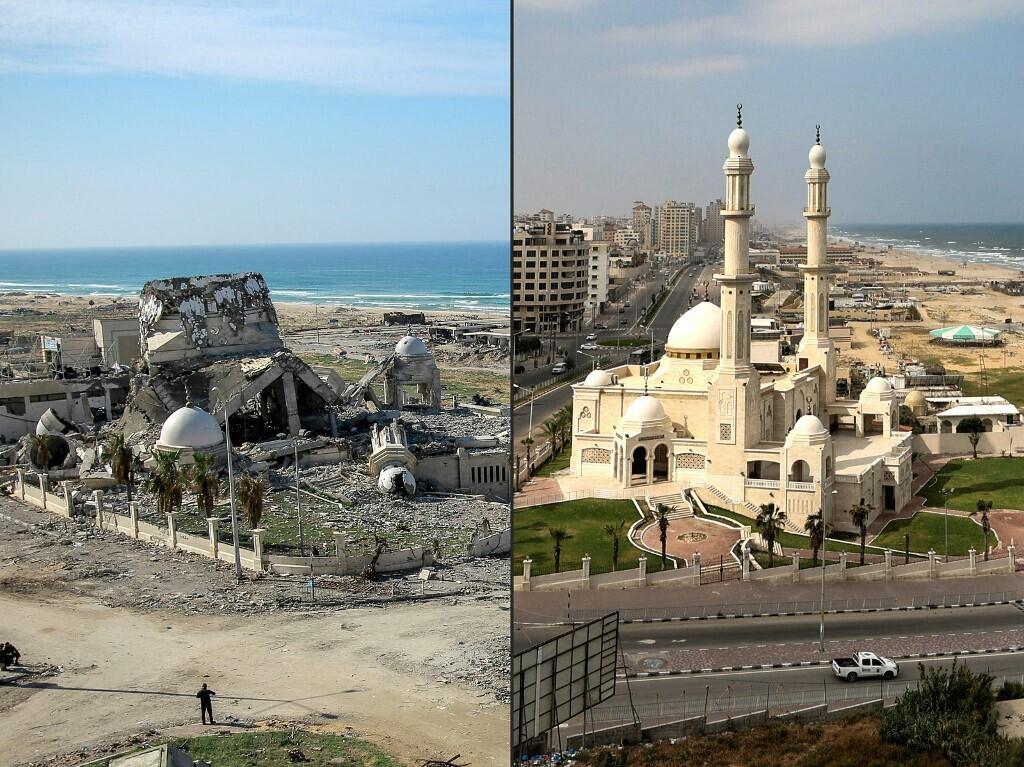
[124, 672]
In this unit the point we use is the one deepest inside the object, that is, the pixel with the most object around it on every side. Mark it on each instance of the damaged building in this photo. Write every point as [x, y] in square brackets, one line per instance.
[213, 342]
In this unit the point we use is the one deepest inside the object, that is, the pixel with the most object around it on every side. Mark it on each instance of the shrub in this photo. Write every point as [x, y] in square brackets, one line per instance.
[1010, 691]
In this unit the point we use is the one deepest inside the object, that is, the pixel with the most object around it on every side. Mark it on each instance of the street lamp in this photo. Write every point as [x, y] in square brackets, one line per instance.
[824, 545]
[593, 359]
[529, 389]
[231, 495]
[945, 493]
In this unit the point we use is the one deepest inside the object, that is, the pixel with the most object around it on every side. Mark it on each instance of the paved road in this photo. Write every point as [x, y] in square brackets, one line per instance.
[547, 404]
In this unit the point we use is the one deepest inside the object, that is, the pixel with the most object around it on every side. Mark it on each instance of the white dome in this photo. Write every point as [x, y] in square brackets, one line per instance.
[817, 156]
[411, 346]
[699, 328]
[189, 428]
[739, 143]
[644, 409]
[598, 378]
[878, 385]
[810, 425]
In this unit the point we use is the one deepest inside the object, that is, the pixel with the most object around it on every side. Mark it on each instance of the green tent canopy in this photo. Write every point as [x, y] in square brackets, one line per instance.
[966, 334]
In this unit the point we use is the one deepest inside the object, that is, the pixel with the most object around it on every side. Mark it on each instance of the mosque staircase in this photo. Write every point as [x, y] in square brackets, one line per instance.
[679, 507]
[748, 508]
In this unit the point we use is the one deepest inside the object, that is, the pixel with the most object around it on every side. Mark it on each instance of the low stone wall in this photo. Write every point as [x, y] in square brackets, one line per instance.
[638, 577]
[210, 545]
[490, 545]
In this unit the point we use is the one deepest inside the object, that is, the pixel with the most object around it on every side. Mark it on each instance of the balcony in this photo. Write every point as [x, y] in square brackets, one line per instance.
[803, 487]
[766, 484]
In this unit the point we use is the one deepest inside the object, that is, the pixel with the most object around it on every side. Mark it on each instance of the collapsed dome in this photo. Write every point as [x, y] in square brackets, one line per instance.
[644, 410]
[598, 378]
[810, 425]
[411, 346]
[700, 328]
[190, 428]
[396, 479]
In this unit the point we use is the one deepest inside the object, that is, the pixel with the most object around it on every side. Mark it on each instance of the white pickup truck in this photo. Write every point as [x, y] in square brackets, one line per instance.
[865, 664]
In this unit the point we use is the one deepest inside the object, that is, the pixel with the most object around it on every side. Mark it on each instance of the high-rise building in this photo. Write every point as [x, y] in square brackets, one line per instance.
[550, 266]
[676, 225]
[597, 285]
[714, 224]
[643, 223]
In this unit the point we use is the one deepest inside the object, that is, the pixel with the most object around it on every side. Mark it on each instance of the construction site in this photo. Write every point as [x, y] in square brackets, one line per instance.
[193, 461]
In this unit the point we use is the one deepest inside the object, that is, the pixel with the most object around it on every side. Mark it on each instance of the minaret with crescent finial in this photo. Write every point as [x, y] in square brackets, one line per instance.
[817, 348]
[734, 394]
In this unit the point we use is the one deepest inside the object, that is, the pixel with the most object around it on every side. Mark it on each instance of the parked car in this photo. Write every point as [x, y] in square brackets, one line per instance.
[559, 368]
[589, 347]
[600, 326]
[865, 664]
[592, 337]
[623, 322]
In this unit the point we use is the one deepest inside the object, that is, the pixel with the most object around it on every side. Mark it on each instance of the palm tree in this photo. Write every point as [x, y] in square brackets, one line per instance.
[860, 515]
[122, 463]
[563, 418]
[528, 441]
[663, 529]
[165, 482]
[814, 526]
[769, 523]
[40, 447]
[983, 508]
[557, 536]
[202, 476]
[251, 489]
[553, 431]
[613, 531]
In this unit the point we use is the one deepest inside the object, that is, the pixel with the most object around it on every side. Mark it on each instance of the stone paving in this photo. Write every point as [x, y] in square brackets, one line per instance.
[689, 535]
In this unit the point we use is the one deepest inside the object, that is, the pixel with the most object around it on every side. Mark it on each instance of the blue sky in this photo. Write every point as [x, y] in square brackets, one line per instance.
[918, 103]
[170, 122]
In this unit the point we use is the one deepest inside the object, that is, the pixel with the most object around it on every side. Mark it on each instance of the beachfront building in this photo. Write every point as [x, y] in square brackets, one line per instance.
[643, 223]
[706, 417]
[550, 264]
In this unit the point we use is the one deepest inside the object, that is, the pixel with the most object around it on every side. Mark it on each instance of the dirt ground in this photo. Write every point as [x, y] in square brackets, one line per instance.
[977, 305]
[100, 667]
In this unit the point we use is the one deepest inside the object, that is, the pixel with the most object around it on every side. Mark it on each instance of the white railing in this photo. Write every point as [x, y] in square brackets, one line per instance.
[807, 487]
[769, 484]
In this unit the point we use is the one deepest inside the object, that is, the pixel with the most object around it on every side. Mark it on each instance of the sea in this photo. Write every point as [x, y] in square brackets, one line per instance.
[1001, 244]
[453, 276]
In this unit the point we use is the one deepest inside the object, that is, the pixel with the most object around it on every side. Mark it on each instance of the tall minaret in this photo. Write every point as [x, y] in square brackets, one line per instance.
[816, 347]
[734, 397]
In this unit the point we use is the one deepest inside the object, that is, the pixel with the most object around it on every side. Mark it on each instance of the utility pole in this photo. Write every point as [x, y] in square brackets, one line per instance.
[231, 495]
[298, 499]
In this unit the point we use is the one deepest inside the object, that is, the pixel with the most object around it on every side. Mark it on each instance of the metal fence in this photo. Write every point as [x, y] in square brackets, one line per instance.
[804, 606]
[772, 698]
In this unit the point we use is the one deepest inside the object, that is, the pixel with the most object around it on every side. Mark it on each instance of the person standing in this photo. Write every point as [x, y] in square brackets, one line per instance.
[205, 696]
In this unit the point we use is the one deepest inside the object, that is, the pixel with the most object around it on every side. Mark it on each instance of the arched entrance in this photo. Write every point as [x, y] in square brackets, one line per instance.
[661, 463]
[638, 464]
[946, 428]
[800, 472]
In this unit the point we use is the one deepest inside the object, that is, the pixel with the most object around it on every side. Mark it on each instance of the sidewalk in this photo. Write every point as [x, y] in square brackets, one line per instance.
[554, 606]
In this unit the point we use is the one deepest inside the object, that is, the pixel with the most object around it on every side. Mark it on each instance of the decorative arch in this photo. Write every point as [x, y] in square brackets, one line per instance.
[661, 462]
[638, 461]
[800, 471]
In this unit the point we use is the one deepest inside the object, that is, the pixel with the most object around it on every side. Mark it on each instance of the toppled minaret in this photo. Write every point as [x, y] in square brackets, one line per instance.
[391, 460]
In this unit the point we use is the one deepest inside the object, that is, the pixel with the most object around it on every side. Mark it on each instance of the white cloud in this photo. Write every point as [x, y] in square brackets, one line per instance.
[814, 23]
[411, 47]
[692, 68]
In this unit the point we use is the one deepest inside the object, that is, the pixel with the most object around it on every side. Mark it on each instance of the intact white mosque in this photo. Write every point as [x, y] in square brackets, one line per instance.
[705, 417]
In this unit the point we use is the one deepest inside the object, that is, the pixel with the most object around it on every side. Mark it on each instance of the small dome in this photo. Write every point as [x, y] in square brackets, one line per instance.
[810, 425]
[598, 378]
[739, 143]
[411, 346]
[189, 428]
[915, 399]
[817, 156]
[699, 328]
[878, 385]
[645, 409]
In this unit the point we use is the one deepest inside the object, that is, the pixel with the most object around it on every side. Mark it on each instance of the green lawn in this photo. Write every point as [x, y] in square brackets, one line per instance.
[584, 521]
[927, 531]
[794, 541]
[557, 463]
[270, 749]
[993, 479]
[1007, 383]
